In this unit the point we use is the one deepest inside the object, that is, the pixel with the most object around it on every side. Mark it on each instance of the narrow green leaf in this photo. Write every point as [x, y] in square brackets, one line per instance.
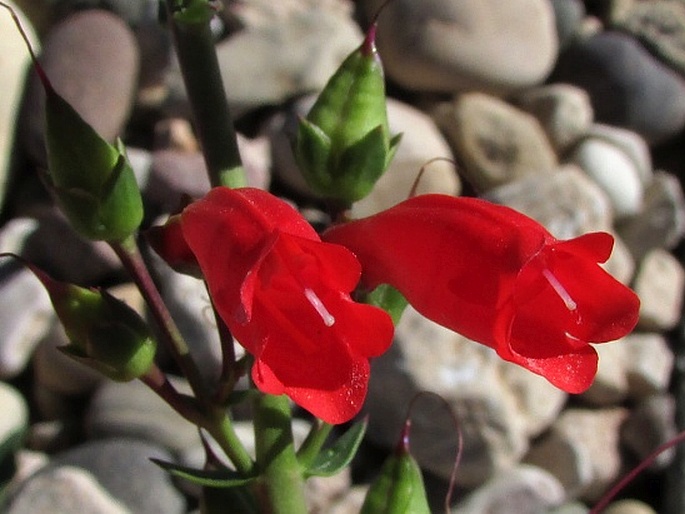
[208, 478]
[333, 459]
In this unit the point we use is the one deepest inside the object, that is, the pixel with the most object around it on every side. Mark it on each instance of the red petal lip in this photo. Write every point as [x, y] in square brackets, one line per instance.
[284, 295]
[499, 278]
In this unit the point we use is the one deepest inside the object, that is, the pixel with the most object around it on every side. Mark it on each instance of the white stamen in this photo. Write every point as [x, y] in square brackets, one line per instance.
[560, 290]
[320, 308]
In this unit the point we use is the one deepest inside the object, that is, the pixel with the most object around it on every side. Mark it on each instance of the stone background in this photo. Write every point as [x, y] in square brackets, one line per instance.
[572, 112]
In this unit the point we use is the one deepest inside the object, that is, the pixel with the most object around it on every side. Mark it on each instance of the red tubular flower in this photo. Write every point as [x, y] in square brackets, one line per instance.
[499, 278]
[285, 297]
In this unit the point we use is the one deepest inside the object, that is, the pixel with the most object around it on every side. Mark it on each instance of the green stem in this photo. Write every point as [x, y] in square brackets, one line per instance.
[281, 485]
[182, 404]
[200, 68]
[223, 432]
[130, 256]
[311, 447]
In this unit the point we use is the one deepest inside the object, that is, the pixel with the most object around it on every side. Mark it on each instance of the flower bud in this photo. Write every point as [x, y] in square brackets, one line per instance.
[104, 333]
[92, 180]
[343, 146]
[399, 488]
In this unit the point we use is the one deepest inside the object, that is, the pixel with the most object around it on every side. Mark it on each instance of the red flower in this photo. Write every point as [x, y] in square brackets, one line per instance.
[499, 278]
[285, 297]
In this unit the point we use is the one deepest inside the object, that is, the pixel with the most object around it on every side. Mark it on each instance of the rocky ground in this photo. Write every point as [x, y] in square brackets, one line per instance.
[571, 112]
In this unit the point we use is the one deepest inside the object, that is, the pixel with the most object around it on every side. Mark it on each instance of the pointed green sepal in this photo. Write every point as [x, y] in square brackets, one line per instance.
[389, 299]
[93, 181]
[312, 149]
[332, 460]
[399, 488]
[362, 164]
[207, 478]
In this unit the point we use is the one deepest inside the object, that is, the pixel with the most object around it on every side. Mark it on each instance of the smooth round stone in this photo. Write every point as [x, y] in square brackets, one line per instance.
[661, 224]
[91, 59]
[24, 320]
[568, 15]
[523, 488]
[659, 25]
[133, 410]
[566, 202]
[629, 506]
[612, 170]
[14, 61]
[628, 87]
[563, 110]
[14, 419]
[449, 46]
[64, 490]
[497, 142]
[285, 51]
[122, 467]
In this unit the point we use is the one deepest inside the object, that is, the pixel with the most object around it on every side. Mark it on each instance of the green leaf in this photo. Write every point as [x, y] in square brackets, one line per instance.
[207, 478]
[333, 459]
[361, 165]
[389, 299]
[312, 150]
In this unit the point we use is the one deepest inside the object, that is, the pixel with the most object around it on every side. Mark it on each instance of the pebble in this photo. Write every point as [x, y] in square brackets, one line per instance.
[563, 110]
[497, 142]
[582, 450]
[24, 321]
[568, 16]
[610, 168]
[286, 51]
[566, 202]
[188, 302]
[482, 45]
[15, 61]
[494, 418]
[629, 507]
[650, 363]
[133, 410]
[48, 241]
[123, 469]
[524, 489]
[13, 422]
[659, 25]
[627, 86]
[91, 59]
[650, 424]
[661, 223]
[659, 282]
[637, 366]
[175, 173]
[65, 490]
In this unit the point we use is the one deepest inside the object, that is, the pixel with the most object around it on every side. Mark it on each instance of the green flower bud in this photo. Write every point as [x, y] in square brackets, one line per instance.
[399, 488]
[343, 146]
[104, 333]
[92, 180]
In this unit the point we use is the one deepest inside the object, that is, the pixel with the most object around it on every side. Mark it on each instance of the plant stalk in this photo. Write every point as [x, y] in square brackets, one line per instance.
[281, 484]
[196, 52]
